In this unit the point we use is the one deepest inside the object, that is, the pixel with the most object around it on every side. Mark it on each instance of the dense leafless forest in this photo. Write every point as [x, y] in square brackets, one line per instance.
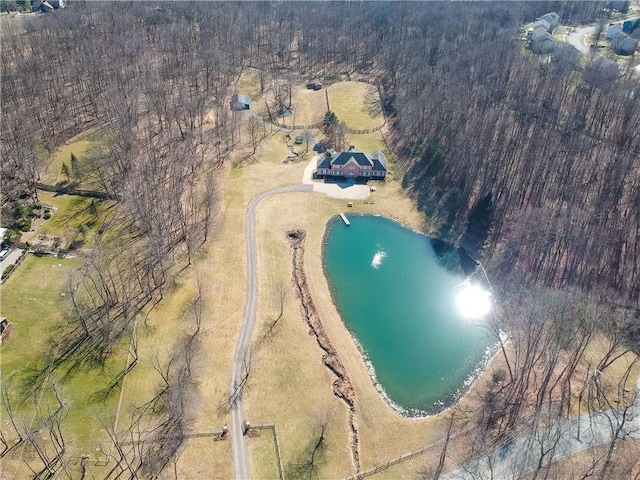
[532, 165]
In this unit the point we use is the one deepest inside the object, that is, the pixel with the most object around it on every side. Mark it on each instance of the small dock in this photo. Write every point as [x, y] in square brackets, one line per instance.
[345, 219]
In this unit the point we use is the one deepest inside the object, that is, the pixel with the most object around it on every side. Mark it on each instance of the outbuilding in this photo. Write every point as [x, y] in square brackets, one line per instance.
[240, 102]
[314, 84]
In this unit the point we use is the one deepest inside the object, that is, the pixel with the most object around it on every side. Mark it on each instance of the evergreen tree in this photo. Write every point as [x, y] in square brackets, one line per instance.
[329, 122]
[65, 170]
[75, 167]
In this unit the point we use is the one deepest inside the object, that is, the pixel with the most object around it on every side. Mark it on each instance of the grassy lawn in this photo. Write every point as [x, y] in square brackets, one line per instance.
[249, 83]
[357, 104]
[72, 212]
[369, 143]
[79, 147]
[33, 301]
[309, 107]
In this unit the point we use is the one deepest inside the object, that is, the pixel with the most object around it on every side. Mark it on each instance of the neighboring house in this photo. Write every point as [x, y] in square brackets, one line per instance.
[542, 23]
[542, 41]
[623, 44]
[352, 165]
[540, 38]
[47, 5]
[553, 19]
[314, 84]
[612, 31]
[240, 102]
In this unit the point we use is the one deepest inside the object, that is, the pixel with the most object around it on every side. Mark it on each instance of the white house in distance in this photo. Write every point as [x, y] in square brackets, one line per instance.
[352, 165]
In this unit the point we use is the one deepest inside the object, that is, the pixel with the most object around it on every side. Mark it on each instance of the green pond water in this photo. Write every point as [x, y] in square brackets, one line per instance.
[399, 302]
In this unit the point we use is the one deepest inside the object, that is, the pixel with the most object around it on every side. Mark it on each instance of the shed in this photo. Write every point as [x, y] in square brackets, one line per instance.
[314, 84]
[240, 102]
[623, 44]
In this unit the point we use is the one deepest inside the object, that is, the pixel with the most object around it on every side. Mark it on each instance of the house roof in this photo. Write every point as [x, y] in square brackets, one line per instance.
[552, 18]
[343, 157]
[623, 44]
[613, 30]
[377, 160]
[540, 34]
[242, 99]
[324, 162]
[542, 23]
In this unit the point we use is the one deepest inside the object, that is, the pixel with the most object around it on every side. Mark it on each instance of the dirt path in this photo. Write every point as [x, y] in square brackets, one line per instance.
[240, 464]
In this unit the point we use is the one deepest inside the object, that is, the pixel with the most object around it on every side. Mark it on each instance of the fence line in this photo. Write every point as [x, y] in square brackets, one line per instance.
[272, 426]
[394, 461]
[296, 127]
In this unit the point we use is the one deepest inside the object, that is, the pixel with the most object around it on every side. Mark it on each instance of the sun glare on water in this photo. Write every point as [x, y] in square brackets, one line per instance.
[473, 301]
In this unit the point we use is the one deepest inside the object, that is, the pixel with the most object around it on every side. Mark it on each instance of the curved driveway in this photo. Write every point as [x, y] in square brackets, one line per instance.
[240, 464]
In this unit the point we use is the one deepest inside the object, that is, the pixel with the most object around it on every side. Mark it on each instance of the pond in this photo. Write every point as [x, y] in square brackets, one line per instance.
[399, 293]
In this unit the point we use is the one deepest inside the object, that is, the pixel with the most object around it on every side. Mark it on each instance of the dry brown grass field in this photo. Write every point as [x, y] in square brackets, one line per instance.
[356, 103]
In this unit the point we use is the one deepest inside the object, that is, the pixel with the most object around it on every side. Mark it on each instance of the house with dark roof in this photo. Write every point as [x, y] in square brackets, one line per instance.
[623, 44]
[552, 18]
[240, 102]
[540, 38]
[352, 165]
[47, 5]
[542, 23]
[542, 41]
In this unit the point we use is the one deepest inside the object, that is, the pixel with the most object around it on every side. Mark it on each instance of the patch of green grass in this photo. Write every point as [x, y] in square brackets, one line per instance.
[79, 148]
[72, 212]
[33, 302]
[357, 104]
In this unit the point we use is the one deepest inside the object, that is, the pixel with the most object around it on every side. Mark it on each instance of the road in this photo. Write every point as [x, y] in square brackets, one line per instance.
[240, 463]
[577, 37]
[11, 258]
[570, 437]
